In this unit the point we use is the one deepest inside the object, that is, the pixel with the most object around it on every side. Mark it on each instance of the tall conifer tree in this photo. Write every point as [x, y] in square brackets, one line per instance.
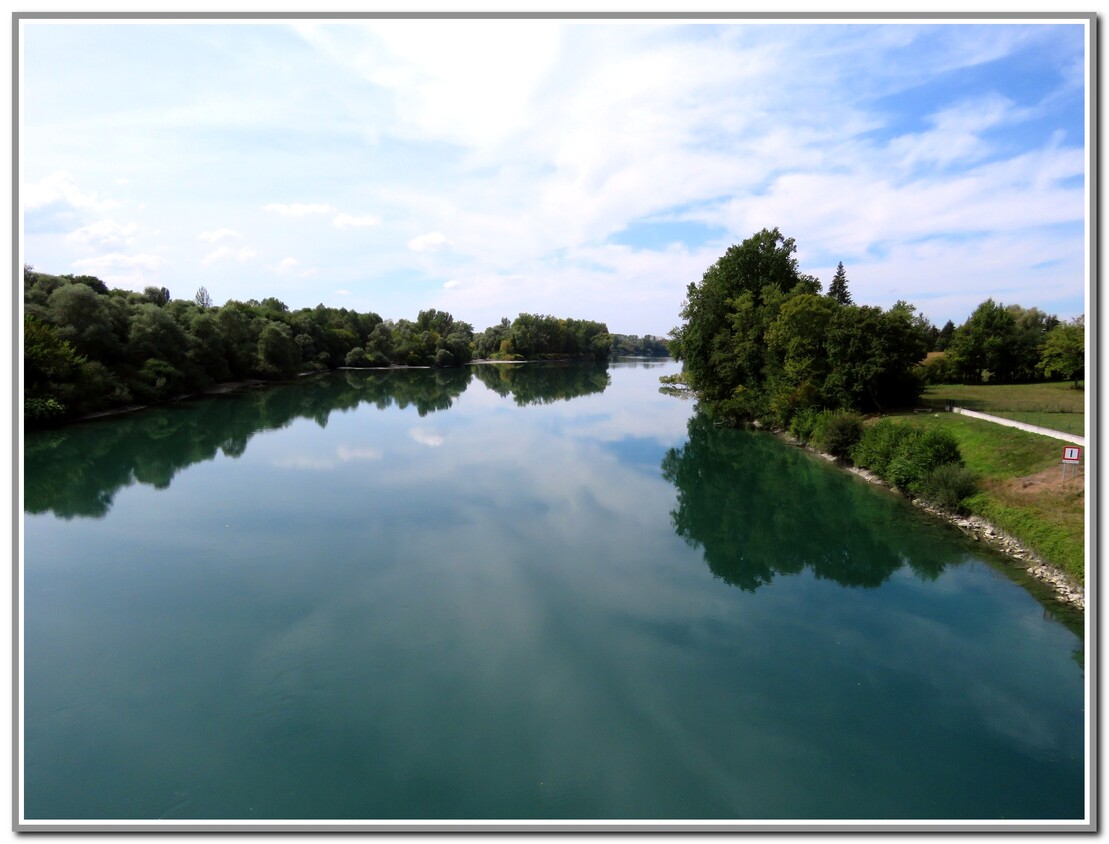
[838, 288]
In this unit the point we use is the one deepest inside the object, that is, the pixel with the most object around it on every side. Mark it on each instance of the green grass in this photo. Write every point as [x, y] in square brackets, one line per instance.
[1052, 520]
[1055, 405]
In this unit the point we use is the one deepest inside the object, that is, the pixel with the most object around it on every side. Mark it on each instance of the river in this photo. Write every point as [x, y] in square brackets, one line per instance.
[516, 592]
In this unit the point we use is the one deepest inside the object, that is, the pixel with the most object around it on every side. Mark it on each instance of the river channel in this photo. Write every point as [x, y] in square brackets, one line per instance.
[516, 592]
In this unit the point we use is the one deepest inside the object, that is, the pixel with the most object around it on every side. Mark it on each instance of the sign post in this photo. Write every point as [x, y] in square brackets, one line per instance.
[1072, 456]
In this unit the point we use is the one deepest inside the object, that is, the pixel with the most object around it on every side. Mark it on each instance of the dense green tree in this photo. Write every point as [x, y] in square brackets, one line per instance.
[943, 339]
[837, 290]
[727, 313]
[984, 347]
[1064, 352]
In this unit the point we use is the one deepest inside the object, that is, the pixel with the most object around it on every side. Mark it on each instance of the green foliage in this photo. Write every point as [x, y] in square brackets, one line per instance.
[37, 411]
[837, 432]
[877, 446]
[804, 423]
[917, 454]
[759, 342]
[837, 290]
[632, 345]
[936, 369]
[1000, 344]
[906, 456]
[948, 486]
[1064, 352]
[88, 347]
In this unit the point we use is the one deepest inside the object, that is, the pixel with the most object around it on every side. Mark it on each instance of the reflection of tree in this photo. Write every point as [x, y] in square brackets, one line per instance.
[544, 383]
[76, 471]
[760, 509]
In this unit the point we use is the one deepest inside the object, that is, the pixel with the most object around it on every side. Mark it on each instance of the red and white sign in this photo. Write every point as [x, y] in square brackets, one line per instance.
[1072, 454]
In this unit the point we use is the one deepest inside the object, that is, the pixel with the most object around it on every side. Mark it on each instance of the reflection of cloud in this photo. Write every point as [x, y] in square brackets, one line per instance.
[425, 437]
[347, 453]
[310, 463]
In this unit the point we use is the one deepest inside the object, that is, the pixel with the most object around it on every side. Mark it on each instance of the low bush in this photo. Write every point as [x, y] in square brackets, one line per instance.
[878, 445]
[837, 433]
[803, 422]
[949, 485]
[918, 454]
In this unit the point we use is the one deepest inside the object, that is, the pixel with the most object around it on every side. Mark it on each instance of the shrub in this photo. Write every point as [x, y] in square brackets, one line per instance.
[356, 357]
[918, 454]
[38, 411]
[837, 433]
[878, 445]
[803, 423]
[948, 485]
[443, 357]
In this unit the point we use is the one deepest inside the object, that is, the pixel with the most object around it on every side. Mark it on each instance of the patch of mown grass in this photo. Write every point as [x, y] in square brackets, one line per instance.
[1055, 405]
[993, 450]
[1051, 521]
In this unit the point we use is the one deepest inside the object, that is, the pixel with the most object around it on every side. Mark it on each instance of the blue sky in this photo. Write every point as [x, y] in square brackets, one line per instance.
[585, 169]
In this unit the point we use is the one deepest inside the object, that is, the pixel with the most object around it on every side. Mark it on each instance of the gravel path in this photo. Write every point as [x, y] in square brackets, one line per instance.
[1024, 426]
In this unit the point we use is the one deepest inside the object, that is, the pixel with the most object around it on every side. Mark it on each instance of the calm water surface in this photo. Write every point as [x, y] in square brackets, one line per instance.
[515, 592]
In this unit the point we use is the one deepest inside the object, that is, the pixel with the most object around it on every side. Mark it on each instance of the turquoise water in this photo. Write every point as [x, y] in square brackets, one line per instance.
[530, 592]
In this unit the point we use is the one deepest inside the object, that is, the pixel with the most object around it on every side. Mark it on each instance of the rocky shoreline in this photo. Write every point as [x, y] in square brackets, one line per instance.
[981, 530]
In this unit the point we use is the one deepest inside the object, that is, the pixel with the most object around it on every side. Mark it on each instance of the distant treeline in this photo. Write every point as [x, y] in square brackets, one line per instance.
[88, 347]
[760, 341]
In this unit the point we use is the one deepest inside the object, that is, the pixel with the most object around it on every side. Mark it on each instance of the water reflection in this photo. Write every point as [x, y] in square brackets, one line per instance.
[544, 383]
[759, 510]
[77, 470]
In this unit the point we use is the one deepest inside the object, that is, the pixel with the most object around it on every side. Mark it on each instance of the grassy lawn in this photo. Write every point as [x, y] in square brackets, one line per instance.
[1056, 405]
[1022, 492]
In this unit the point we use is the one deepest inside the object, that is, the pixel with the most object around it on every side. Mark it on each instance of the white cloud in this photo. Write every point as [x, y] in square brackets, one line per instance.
[451, 284]
[350, 221]
[298, 209]
[216, 235]
[226, 253]
[286, 265]
[60, 187]
[430, 242]
[103, 233]
[129, 271]
[343, 293]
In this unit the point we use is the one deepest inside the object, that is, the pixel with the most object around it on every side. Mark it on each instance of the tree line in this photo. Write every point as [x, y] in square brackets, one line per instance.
[760, 341]
[88, 347]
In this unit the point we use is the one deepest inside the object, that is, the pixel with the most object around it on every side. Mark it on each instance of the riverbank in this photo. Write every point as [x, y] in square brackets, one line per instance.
[979, 529]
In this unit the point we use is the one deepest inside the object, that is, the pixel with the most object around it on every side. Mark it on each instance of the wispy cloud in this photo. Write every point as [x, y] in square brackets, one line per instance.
[103, 233]
[298, 209]
[430, 242]
[351, 221]
[548, 188]
[60, 187]
[216, 235]
[226, 253]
